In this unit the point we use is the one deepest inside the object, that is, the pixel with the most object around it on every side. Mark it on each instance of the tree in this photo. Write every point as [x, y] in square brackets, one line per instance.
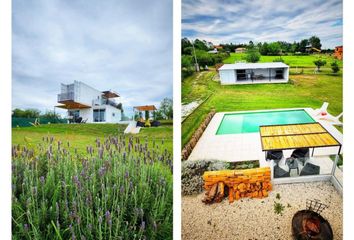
[204, 58]
[201, 45]
[166, 108]
[315, 42]
[303, 44]
[335, 67]
[263, 48]
[186, 61]
[252, 55]
[28, 113]
[185, 44]
[274, 48]
[51, 115]
[319, 63]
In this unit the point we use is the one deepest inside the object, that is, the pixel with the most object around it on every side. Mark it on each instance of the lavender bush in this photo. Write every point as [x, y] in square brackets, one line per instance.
[120, 189]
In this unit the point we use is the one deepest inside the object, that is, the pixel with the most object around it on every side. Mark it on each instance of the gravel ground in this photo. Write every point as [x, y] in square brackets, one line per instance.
[255, 218]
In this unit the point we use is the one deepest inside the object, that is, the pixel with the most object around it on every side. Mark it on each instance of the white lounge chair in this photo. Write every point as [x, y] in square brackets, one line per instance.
[322, 110]
[331, 119]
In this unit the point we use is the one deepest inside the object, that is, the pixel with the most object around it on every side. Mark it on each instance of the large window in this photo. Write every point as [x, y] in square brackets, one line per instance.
[99, 115]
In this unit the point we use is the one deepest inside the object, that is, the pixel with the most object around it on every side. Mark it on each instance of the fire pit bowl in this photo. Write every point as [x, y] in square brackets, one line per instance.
[307, 224]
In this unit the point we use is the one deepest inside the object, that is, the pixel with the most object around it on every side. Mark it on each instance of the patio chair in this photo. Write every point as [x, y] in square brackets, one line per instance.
[275, 155]
[78, 120]
[155, 123]
[310, 169]
[322, 110]
[280, 173]
[292, 164]
[302, 154]
[140, 124]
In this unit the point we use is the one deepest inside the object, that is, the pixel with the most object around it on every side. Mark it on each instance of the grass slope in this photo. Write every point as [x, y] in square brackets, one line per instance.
[303, 90]
[292, 61]
[82, 135]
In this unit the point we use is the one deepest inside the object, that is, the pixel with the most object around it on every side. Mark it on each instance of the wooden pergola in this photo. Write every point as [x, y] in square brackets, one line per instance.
[292, 136]
[145, 108]
[295, 136]
[70, 104]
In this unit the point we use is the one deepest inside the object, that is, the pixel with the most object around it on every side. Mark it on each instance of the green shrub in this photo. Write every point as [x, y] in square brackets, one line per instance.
[252, 55]
[319, 63]
[278, 208]
[335, 67]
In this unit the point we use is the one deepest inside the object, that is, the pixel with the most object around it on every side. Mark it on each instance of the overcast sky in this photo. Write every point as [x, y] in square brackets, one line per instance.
[239, 21]
[124, 45]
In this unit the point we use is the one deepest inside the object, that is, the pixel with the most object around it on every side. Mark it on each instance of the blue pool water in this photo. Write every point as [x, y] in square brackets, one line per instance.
[249, 122]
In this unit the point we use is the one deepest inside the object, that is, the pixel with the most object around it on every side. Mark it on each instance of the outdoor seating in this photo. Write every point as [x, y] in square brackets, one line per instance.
[302, 154]
[155, 123]
[323, 110]
[275, 155]
[292, 164]
[78, 120]
[280, 173]
[140, 124]
[310, 169]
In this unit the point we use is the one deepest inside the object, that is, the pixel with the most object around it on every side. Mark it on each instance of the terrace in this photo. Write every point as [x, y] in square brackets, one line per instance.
[313, 176]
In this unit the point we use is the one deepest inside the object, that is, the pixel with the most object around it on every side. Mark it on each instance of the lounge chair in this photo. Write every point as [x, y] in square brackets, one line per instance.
[78, 120]
[322, 111]
[310, 169]
[331, 119]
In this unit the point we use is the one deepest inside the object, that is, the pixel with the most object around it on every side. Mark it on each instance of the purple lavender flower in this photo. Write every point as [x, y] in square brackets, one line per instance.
[126, 174]
[121, 189]
[25, 226]
[142, 226]
[42, 179]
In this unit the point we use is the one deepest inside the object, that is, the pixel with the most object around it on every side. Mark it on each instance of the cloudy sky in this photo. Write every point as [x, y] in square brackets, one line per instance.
[239, 21]
[124, 45]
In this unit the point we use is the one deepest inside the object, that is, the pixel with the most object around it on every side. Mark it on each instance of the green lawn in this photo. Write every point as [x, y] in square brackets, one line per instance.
[292, 61]
[82, 135]
[303, 90]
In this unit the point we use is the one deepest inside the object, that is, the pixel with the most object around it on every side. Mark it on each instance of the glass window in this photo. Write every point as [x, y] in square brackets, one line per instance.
[99, 115]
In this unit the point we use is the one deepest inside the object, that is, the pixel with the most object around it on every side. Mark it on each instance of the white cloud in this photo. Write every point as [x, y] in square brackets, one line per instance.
[125, 46]
[268, 20]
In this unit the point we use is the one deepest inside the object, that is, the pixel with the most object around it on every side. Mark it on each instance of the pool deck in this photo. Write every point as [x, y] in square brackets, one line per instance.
[247, 146]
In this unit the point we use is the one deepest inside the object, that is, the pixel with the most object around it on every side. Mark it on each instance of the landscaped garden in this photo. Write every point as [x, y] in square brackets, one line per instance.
[305, 89]
[89, 181]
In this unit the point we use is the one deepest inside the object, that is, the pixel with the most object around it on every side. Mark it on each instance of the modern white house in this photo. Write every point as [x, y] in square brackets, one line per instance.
[249, 73]
[87, 104]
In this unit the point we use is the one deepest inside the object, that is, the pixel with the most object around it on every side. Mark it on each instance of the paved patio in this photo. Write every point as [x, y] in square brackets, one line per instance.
[246, 146]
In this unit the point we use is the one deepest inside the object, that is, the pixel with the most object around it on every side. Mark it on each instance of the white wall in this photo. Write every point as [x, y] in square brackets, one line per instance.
[227, 76]
[110, 110]
[85, 94]
[86, 113]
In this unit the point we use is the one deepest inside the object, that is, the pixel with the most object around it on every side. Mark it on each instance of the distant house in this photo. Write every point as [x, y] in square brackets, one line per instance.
[87, 104]
[338, 52]
[310, 49]
[240, 50]
[215, 50]
[218, 47]
[249, 73]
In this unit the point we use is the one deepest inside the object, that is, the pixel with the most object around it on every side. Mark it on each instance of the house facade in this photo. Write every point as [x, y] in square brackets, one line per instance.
[338, 52]
[250, 73]
[87, 104]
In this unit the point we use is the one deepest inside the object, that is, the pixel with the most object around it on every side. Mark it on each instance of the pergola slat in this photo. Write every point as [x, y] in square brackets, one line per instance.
[291, 136]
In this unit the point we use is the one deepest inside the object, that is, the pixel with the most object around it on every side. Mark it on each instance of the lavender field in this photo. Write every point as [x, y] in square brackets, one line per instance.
[121, 188]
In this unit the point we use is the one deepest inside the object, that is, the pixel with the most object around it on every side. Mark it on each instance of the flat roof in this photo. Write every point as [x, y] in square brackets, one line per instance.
[292, 136]
[253, 65]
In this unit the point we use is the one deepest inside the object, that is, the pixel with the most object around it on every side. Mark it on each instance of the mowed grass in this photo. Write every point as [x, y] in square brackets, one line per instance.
[292, 61]
[82, 135]
[303, 90]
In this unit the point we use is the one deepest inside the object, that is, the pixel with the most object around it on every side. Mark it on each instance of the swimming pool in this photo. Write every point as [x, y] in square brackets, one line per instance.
[235, 123]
